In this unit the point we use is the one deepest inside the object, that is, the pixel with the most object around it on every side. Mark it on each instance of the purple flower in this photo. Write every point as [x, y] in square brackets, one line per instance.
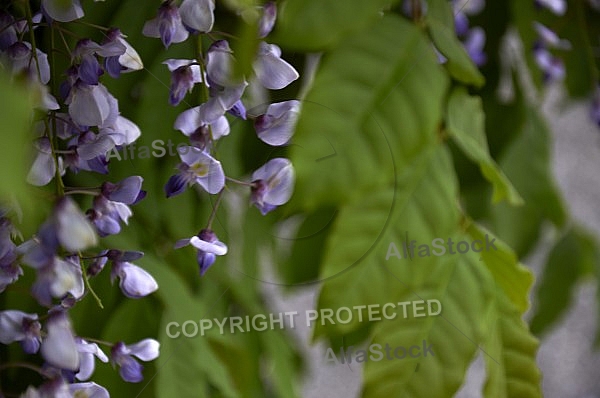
[208, 245]
[53, 388]
[474, 44]
[276, 127]
[22, 327]
[89, 390]
[558, 7]
[87, 352]
[63, 10]
[198, 14]
[59, 348]
[8, 33]
[267, 19]
[272, 184]
[271, 71]
[190, 123]
[122, 132]
[549, 38]
[197, 167]
[74, 231]
[130, 369]
[134, 282]
[167, 25]
[9, 267]
[21, 60]
[184, 75]
[462, 9]
[43, 169]
[128, 61]
[552, 67]
[92, 105]
[111, 206]
[57, 279]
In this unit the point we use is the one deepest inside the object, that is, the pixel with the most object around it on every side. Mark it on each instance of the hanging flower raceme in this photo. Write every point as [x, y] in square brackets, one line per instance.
[208, 245]
[553, 67]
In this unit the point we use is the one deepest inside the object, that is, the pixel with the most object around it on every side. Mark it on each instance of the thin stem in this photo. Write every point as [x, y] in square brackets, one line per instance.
[25, 365]
[106, 343]
[89, 287]
[249, 184]
[93, 25]
[32, 39]
[81, 192]
[213, 214]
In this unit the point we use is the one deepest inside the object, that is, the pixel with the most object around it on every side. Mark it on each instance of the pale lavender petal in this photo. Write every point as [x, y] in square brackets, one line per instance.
[146, 350]
[198, 14]
[74, 230]
[271, 71]
[89, 390]
[58, 347]
[267, 20]
[277, 126]
[217, 247]
[188, 121]
[63, 10]
[11, 325]
[89, 105]
[135, 281]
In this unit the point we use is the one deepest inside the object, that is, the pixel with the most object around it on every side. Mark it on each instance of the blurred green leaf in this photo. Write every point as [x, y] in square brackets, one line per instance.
[312, 25]
[510, 354]
[440, 22]
[514, 278]
[573, 256]
[530, 152]
[385, 109]
[465, 123]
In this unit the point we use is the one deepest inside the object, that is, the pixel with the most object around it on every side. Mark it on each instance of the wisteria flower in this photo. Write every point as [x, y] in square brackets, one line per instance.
[201, 132]
[134, 282]
[198, 14]
[74, 231]
[552, 67]
[167, 25]
[277, 125]
[271, 70]
[43, 168]
[267, 19]
[197, 167]
[87, 352]
[130, 369]
[184, 75]
[89, 390]
[63, 10]
[22, 327]
[59, 348]
[57, 279]
[462, 10]
[128, 61]
[208, 245]
[272, 184]
[474, 44]
[92, 105]
[558, 7]
[112, 205]
[548, 38]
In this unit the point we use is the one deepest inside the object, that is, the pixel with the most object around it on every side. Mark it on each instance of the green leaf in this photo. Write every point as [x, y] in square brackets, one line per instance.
[465, 123]
[514, 278]
[573, 256]
[312, 25]
[513, 372]
[16, 104]
[384, 110]
[530, 151]
[362, 233]
[467, 297]
[440, 22]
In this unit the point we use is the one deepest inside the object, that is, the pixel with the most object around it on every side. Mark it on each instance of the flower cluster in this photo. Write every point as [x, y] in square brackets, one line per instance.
[205, 124]
[76, 125]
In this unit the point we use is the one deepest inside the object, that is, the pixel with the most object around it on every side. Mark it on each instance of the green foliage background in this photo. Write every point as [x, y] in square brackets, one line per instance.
[420, 149]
